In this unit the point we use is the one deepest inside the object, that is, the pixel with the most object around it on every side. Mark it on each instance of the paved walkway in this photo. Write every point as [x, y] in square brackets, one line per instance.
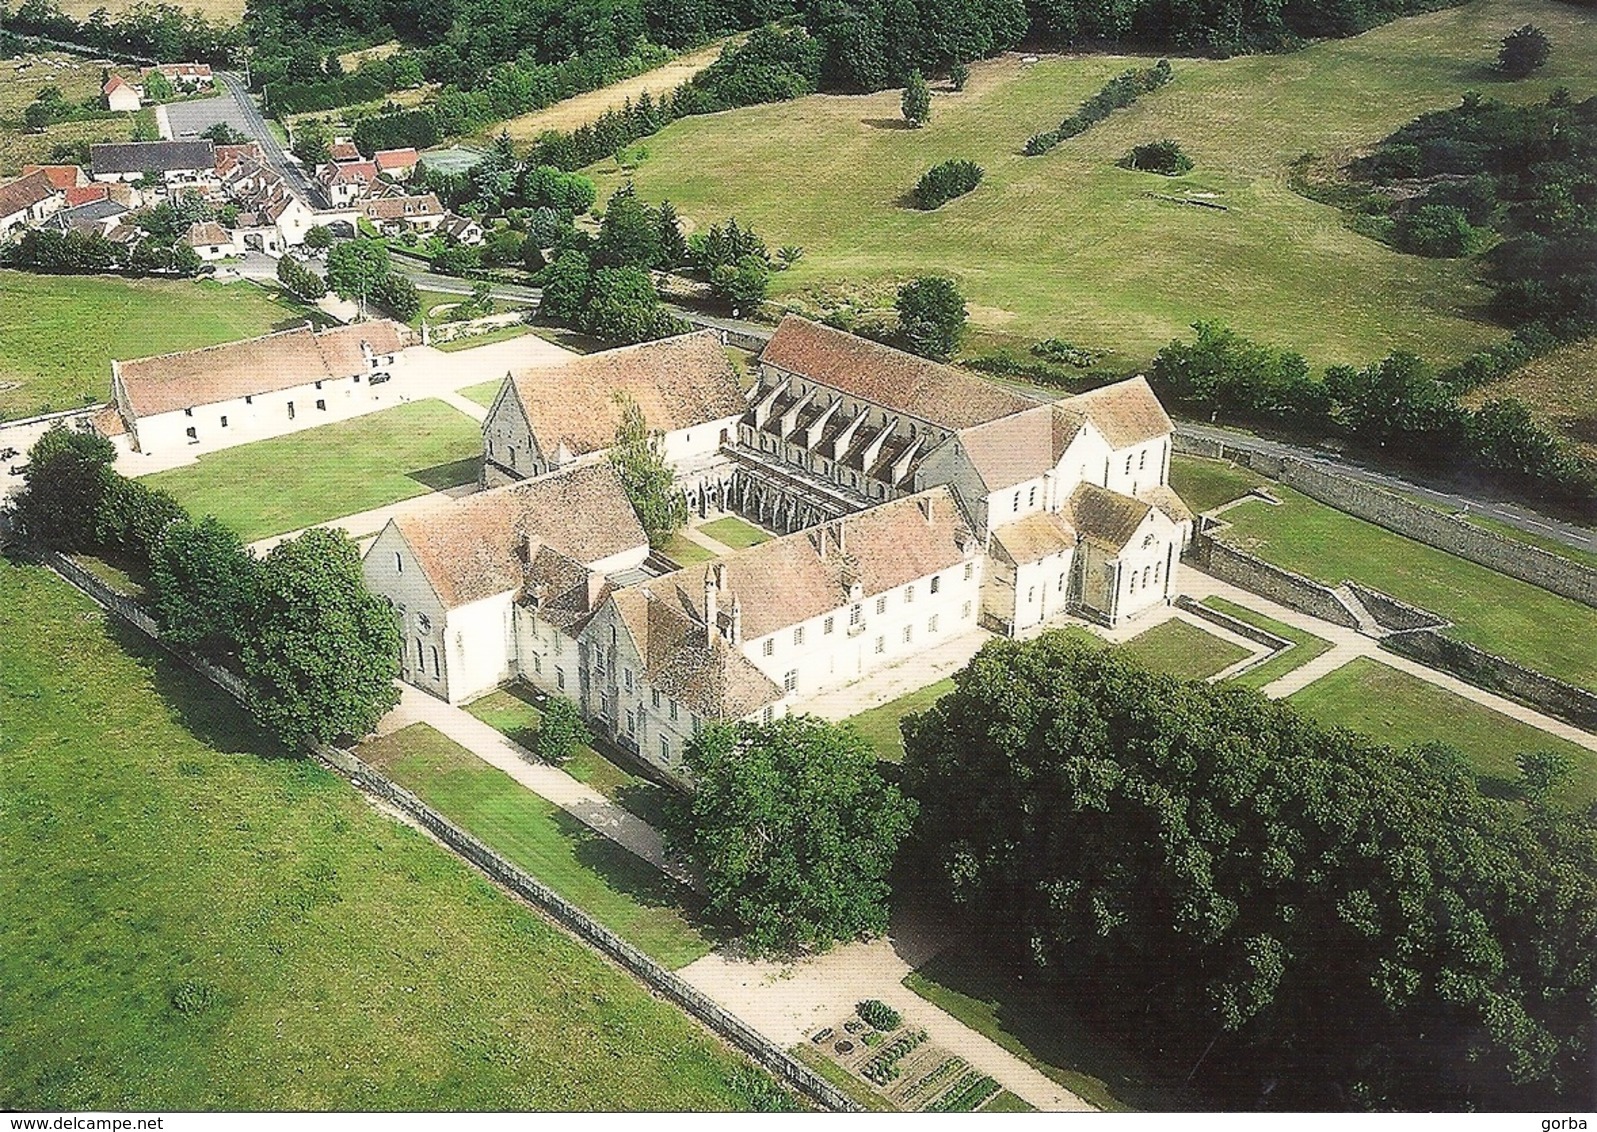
[695, 535]
[465, 404]
[909, 675]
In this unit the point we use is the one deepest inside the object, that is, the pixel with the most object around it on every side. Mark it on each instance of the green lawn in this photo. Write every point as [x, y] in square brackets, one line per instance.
[625, 893]
[483, 394]
[880, 725]
[58, 333]
[1205, 484]
[1305, 646]
[195, 922]
[289, 482]
[502, 334]
[684, 551]
[514, 712]
[1042, 1031]
[1070, 245]
[1180, 649]
[734, 532]
[1400, 710]
[1495, 612]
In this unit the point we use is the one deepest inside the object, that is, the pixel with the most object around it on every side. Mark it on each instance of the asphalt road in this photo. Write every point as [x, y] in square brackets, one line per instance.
[256, 127]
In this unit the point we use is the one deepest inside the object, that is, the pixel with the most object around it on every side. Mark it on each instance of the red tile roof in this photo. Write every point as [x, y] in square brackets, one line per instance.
[61, 176]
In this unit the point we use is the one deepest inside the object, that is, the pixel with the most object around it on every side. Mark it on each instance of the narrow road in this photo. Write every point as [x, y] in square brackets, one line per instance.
[275, 157]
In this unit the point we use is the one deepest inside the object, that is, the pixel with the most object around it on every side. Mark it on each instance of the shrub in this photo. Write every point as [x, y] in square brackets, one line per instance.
[1523, 51]
[1165, 157]
[880, 1015]
[1118, 92]
[942, 183]
[561, 732]
[917, 102]
[1442, 231]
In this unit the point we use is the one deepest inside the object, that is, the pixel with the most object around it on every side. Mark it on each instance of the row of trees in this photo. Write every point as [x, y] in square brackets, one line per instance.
[145, 29]
[1295, 916]
[1116, 94]
[362, 270]
[317, 650]
[87, 253]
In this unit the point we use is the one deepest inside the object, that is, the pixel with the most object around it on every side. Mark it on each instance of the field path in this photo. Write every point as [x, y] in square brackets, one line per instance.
[584, 108]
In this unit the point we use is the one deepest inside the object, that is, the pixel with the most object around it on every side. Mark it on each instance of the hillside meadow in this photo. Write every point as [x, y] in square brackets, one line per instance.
[1070, 245]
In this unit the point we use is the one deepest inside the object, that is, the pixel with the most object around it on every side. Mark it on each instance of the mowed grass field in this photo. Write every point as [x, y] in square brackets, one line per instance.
[1400, 710]
[77, 80]
[1069, 245]
[289, 482]
[1490, 610]
[191, 921]
[58, 333]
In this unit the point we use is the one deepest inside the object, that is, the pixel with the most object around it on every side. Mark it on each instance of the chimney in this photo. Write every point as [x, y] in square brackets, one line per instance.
[595, 588]
[737, 620]
[710, 588]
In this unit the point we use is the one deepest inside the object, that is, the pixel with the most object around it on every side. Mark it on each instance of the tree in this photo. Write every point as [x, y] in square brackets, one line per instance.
[931, 316]
[565, 288]
[223, 134]
[320, 650]
[300, 280]
[204, 581]
[1524, 50]
[561, 732]
[1440, 230]
[793, 830]
[673, 246]
[318, 237]
[63, 488]
[398, 295]
[917, 102]
[645, 476]
[457, 259]
[355, 267]
[788, 255]
[131, 517]
[158, 88]
[629, 235]
[502, 247]
[945, 181]
[622, 305]
[311, 143]
[742, 285]
[1543, 772]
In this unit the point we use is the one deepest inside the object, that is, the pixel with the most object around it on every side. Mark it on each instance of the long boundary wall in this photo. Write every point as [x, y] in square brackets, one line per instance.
[1552, 572]
[663, 982]
[1268, 580]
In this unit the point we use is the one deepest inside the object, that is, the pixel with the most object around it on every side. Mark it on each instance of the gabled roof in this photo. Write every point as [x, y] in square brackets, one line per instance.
[357, 172]
[398, 208]
[892, 379]
[1034, 537]
[692, 667]
[152, 157]
[63, 177]
[1012, 449]
[387, 159]
[1166, 500]
[182, 70]
[206, 233]
[1126, 412]
[799, 576]
[1105, 517]
[343, 151]
[483, 544]
[25, 192]
[115, 83]
[78, 195]
[282, 360]
[677, 382]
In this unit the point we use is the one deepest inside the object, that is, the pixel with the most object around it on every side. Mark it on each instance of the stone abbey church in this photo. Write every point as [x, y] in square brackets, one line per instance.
[914, 503]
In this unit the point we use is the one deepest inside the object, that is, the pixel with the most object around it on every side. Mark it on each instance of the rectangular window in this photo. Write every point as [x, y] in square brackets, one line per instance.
[537, 663]
[1016, 505]
[628, 675]
[654, 697]
[881, 645]
[249, 400]
[560, 679]
[931, 624]
[191, 434]
[1031, 497]
[769, 648]
[665, 749]
[673, 711]
[632, 725]
[1142, 461]
[1128, 465]
[224, 422]
[909, 594]
[798, 635]
[908, 633]
[881, 606]
[964, 612]
[856, 614]
[970, 568]
[790, 679]
[320, 404]
[767, 714]
[937, 584]
[291, 410]
[826, 626]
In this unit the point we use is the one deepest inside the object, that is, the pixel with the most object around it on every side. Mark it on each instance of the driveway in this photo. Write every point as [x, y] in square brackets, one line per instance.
[191, 119]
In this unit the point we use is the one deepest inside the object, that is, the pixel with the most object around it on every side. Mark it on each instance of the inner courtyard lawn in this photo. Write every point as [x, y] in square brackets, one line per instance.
[190, 920]
[684, 551]
[1305, 646]
[625, 893]
[58, 333]
[483, 394]
[1181, 649]
[1069, 244]
[310, 477]
[1490, 610]
[1400, 710]
[735, 532]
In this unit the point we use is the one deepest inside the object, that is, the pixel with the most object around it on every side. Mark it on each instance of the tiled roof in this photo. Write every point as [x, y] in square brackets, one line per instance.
[477, 546]
[702, 671]
[1012, 449]
[677, 382]
[153, 157]
[256, 365]
[893, 379]
[78, 195]
[387, 159]
[206, 233]
[1126, 412]
[1105, 517]
[400, 208]
[115, 82]
[182, 70]
[1164, 497]
[1034, 537]
[108, 422]
[343, 151]
[63, 177]
[25, 192]
[360, 172]
[792, 579]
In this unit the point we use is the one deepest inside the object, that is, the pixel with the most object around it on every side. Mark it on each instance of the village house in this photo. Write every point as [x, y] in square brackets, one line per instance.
[120, 95]
[343, 149]
[345, 182]
[99, 216]
[392, 215]
[279, 383]
[64, 177]
[461, 229]
[210, 241]
[186, 77]
[28, 201]
[272, 218]
[396, 163]
[177, 165]
[551, 417]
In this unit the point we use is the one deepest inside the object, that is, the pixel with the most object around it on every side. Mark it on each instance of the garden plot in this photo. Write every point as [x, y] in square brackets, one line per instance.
[914, 1074]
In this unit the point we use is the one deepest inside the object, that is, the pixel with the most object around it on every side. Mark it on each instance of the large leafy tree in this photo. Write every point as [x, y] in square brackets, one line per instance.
[622, 305]
[1311, 919]
[793, 829]
[931, 316]
[204, 581]
[645, 475]
[320, 650]
[131, 518]
[68, 471]
[356, 268]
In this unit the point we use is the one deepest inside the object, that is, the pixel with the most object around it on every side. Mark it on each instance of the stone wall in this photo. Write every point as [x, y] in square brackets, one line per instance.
[1233, 624]
[1390, 613]
[1258, 576]
[1496, 674]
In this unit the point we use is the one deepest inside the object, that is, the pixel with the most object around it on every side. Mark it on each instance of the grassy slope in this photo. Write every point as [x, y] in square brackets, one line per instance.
[1562, 386]
[59, 333]
[1205, 484]
[152, 838]
[1070, 245]
[1305, 646]
[1515, 619]
[78, 80]
[626, 894]
[309, 477]
[1182, 650]
[1400, 710]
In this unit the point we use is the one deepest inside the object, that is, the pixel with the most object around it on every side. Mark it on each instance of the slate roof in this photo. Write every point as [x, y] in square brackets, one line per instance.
[478, 546]
[282, 360]
[154, 156]
[25, 192]
[892, 379]
[678, 383]
[1126, 412]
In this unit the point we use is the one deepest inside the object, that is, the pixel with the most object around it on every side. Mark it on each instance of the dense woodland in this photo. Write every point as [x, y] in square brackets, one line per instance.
[1303, 918]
